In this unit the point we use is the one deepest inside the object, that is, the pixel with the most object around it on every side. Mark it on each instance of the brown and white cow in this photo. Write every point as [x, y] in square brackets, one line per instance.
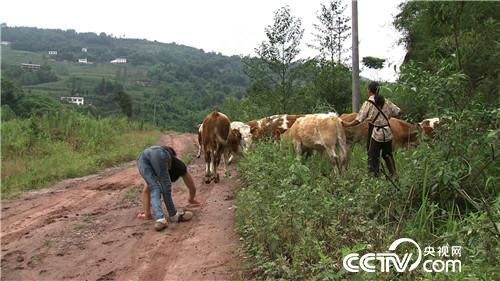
[320, 132]
[240, 139]
[273, 126]
[404, 134]
[245, 132]
[215, 131]
[429, 125]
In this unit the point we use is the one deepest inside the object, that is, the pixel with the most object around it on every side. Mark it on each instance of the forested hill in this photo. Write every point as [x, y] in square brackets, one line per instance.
[171, 85]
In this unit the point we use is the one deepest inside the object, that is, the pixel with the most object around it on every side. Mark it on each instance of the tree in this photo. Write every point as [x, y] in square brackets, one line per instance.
[373, 62]
[330, 36]
[332, 30]
[464, 33]
[124, 101]
[10, 93]
[280, 50]
[356, 97]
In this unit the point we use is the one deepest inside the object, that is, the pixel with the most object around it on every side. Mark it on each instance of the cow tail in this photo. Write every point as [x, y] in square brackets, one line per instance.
[220, 139]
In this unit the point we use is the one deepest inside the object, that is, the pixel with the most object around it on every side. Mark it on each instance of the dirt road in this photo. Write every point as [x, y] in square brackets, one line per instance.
[86, 229]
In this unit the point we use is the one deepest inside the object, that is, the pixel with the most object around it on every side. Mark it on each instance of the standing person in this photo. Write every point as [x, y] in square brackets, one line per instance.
[377, 111]
[154, 163]
[177, 169]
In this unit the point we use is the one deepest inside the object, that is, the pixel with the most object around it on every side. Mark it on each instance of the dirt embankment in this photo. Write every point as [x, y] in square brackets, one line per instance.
[86, 229]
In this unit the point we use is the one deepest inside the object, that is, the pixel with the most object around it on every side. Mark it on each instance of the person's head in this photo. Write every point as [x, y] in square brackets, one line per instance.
[373, 90]
[170, 150]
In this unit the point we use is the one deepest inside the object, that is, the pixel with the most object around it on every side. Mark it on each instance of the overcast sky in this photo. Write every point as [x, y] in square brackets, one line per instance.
[231, 27]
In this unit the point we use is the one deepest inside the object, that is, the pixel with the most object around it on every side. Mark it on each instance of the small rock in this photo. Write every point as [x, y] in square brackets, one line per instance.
[20, 259]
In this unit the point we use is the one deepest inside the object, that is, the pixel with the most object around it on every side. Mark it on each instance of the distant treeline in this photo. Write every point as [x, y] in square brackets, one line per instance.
[169, 85]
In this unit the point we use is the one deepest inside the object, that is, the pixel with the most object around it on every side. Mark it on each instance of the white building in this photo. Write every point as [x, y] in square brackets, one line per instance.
[75, 100]
[119, 60]
[82, 60]
[53, 53]
[30, 66]
[5, 43]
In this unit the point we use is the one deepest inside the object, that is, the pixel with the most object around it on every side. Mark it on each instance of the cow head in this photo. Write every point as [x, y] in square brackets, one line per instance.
[429, 125]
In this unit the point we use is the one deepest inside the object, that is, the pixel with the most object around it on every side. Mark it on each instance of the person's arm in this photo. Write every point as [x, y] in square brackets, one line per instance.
[188, 180]
[146, 201]
[350, 124]
[360, 117]
[395, 110]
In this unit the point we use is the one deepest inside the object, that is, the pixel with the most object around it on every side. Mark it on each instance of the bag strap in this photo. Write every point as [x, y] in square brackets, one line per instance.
[380, 112]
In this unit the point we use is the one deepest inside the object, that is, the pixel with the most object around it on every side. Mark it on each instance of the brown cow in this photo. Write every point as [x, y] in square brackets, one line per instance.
[404, 134]
[320, 132]
[273, 126]
[215, 132]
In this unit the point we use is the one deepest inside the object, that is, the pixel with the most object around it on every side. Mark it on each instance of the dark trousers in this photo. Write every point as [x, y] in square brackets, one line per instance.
[374, 149]
[374, 154]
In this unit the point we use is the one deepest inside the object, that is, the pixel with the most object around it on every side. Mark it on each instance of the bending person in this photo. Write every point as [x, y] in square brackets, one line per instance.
[154, 164]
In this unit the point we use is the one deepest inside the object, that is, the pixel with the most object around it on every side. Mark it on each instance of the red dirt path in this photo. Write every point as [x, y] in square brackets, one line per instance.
[85, 229]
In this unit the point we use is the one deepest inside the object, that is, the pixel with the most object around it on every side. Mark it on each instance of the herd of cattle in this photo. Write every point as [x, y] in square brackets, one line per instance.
[218, 137]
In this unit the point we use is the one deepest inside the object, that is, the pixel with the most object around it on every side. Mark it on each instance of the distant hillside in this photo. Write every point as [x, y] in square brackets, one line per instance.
[169, 84]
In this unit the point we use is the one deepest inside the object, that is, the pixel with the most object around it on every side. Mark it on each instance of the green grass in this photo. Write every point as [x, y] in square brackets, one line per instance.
[186, 159]
[297, 219]
[10, 56]
[48, 243]
[88, 219]
[132, 194]
[40, 151]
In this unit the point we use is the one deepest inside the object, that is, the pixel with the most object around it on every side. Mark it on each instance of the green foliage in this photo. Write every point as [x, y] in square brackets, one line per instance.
[422, 93]
[41, 150]
[169, 85]
[373, 62]
[10, 93]
[29, 77]
[7, 113]
[463, 32]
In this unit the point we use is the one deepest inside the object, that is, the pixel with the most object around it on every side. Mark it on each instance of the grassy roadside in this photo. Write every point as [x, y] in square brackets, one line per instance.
[40, 151]
[298, 220]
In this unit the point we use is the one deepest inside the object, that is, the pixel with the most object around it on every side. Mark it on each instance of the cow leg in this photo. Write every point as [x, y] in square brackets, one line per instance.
[215, 175]
[213, 165]
[229, 158]
[200, 143]
[199, 151]
[308, 153]
[298, 148]
[334, 159]
[208, 162]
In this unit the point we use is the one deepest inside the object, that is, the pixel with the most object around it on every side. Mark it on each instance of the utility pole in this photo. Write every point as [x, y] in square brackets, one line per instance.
[355, 58]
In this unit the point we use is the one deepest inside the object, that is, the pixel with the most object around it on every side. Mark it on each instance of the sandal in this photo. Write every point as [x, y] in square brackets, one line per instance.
[182, 216]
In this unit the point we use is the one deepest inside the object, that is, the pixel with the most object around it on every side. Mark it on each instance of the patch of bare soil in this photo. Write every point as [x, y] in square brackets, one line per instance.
[86, 229]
